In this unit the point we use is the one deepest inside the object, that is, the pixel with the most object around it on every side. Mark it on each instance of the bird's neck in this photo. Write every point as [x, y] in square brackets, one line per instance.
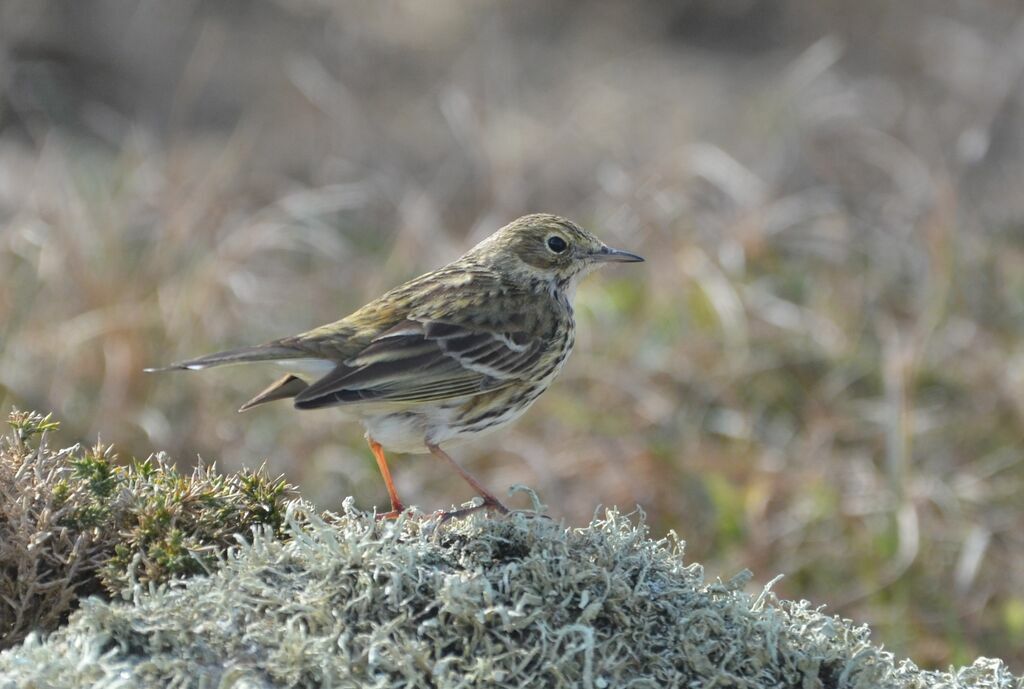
[568, 285]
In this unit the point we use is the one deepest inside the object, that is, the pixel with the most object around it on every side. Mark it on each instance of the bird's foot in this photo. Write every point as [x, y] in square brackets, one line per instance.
[493, 503]
[489, 502]
[396, 512]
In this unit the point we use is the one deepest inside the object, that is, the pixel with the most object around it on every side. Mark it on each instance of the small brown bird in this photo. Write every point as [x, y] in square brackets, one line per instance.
[449, 355]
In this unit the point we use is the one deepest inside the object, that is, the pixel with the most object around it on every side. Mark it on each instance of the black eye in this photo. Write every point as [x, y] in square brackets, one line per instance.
[557, 244]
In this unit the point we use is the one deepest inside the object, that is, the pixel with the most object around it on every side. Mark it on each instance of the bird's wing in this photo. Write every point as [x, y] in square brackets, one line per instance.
[424, 359]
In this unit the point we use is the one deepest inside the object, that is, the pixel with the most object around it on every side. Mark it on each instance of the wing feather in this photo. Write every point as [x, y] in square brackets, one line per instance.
[422, 360]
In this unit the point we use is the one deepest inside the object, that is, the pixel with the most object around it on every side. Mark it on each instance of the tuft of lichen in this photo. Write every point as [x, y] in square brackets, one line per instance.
[519, 601]
[74, 522]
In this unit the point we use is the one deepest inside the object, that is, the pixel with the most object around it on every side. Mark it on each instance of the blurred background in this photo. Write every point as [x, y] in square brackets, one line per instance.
[819, 371]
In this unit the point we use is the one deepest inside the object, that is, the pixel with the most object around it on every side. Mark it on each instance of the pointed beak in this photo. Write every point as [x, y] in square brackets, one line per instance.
[606, 254]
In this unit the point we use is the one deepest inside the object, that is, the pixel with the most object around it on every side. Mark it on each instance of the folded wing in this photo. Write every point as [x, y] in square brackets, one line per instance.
[422, 360]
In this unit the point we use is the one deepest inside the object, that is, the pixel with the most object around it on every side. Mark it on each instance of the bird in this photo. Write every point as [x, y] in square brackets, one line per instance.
[447, 356]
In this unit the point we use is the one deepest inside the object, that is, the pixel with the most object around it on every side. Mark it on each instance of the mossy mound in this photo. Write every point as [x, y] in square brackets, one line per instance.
[479, 602]
[215, 581]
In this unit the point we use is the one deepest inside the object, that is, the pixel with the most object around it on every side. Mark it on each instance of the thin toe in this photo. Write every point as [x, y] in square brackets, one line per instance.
[493, 503]
[489, 503]
[393, 514]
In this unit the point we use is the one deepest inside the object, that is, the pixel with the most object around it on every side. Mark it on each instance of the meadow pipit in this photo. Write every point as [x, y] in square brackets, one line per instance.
[449, 355]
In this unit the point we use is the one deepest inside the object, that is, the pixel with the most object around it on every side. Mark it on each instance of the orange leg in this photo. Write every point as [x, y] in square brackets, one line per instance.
[489, 500]
[396, 503]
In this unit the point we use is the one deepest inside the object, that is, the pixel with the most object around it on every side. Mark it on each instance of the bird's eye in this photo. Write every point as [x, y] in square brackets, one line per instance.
[557, 244]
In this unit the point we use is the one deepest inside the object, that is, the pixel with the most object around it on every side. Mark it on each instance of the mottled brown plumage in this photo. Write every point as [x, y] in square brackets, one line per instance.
[450, 354]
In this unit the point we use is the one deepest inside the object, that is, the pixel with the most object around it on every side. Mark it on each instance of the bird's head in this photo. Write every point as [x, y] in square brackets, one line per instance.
[550, 248]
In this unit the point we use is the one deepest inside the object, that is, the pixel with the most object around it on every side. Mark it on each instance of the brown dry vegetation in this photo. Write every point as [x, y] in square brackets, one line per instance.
[818, 372]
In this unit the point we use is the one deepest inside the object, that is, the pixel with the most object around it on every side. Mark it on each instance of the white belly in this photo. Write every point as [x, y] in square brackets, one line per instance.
[408, 431]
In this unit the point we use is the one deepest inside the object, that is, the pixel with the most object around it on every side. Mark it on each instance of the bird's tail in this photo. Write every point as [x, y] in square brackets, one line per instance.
[282, 389]
[271, 352]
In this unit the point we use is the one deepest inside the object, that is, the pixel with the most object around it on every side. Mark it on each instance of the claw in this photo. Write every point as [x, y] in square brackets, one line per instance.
[488, 502]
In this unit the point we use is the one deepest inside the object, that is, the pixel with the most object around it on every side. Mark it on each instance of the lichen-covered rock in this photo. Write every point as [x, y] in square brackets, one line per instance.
[481, 602]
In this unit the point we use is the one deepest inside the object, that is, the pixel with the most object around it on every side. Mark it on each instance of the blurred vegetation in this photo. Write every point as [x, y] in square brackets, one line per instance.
[819, 371]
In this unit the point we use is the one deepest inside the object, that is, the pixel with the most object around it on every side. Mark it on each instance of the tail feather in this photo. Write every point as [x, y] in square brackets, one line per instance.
[234, 356]
[281, 389]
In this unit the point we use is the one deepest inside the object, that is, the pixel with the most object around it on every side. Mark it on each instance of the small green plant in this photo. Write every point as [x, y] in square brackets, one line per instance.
[28, 424]
[76, 522]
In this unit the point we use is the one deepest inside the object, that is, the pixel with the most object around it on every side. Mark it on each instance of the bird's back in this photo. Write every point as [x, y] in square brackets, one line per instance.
[462, 293]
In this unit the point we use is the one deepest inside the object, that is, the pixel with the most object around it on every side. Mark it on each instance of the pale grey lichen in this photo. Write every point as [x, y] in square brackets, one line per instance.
[481, 602]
